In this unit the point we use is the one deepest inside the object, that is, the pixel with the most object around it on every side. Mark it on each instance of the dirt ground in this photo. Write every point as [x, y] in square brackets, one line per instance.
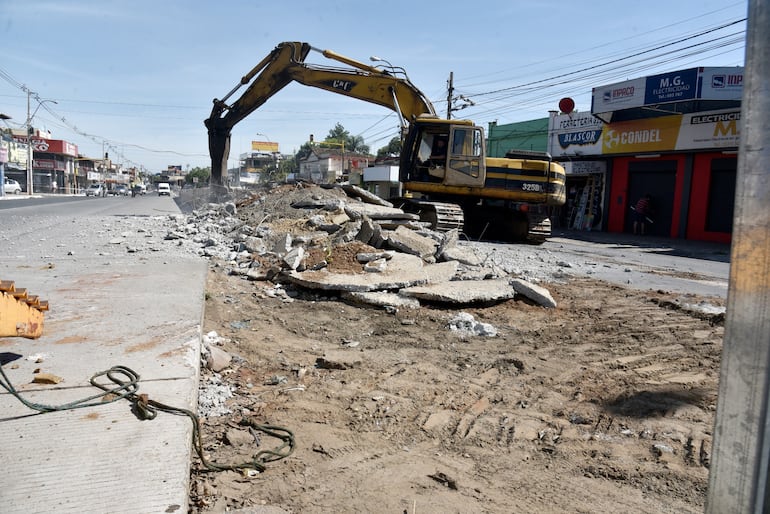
[603, 404]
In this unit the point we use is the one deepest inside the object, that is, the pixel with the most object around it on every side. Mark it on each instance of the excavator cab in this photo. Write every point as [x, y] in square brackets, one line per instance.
[446, 152]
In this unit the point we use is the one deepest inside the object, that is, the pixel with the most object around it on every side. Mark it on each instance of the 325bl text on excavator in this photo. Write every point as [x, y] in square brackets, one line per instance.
[444, 172]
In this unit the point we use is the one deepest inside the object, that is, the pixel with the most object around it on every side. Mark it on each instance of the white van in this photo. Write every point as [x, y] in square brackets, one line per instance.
[164, 189]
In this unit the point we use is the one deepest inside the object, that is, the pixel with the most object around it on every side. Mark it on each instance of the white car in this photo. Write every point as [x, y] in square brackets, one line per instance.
[96, 190]
[11, 187]
[164, 189]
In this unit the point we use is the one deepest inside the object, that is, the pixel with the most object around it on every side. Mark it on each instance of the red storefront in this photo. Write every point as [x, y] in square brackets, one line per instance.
[53, 169]
[694, 194]
[673, 136]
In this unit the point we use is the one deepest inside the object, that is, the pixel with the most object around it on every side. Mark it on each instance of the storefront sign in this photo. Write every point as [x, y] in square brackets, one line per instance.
[713, 83]
[575, 134]
[584, 167]
[714, 129]
[618, 96]
[638, 136]
[721, 83]
[671, 87]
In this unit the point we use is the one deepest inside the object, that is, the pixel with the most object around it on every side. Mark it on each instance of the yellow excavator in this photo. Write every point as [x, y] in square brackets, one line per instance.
[444, 173]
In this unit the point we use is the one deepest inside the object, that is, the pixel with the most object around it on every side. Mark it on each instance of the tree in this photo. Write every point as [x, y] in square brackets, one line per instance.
[202, 174]
[393, 149]
[353, 144]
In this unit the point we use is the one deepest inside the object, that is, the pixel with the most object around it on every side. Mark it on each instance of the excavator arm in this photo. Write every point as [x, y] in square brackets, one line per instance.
[285, 64]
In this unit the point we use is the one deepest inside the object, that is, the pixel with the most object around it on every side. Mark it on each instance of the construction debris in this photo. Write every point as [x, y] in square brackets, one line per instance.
[345, 240]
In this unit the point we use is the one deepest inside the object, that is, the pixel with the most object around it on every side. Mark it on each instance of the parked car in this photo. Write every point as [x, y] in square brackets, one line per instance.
[96, 190]
[164, 189]
[11, 187]
[120, 190]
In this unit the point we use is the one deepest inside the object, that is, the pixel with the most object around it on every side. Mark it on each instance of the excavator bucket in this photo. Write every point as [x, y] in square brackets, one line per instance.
[21, 314]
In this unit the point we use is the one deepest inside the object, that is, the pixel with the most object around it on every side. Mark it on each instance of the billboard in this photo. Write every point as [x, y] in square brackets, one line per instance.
[264, 146]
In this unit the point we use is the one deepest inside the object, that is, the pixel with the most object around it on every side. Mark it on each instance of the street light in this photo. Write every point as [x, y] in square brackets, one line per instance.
[374, 58]
[3, 117]
[29, 138]
[393, 69]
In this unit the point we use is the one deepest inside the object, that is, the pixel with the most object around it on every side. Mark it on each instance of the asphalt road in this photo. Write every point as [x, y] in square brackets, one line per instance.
[686, 267]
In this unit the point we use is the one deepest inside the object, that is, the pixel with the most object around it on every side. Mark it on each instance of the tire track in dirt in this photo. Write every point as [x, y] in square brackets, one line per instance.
[602, 404]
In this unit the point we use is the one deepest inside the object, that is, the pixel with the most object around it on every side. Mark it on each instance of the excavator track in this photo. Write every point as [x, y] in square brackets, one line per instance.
[440, 216]
[21, 314]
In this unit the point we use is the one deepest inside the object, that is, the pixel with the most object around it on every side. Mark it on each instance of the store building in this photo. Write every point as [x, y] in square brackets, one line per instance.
[53, 163]
[674, 136]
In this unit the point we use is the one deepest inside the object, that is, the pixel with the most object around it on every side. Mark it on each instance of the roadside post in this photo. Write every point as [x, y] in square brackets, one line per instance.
[738, 478]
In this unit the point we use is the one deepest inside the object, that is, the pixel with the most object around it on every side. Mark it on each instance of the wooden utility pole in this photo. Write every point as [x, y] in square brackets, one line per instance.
[738, 480]
[450, 92]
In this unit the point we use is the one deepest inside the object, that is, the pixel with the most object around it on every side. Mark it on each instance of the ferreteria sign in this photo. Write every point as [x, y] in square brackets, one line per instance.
[581, 134]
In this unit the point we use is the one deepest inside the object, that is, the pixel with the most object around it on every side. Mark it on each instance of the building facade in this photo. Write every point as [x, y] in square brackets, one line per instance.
[674, 136]
[327, 166]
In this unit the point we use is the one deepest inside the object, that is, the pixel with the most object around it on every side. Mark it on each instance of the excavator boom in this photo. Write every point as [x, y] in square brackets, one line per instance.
[286, 64]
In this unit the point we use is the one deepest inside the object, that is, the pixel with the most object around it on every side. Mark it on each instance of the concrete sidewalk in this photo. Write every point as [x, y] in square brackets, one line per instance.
[107, 310]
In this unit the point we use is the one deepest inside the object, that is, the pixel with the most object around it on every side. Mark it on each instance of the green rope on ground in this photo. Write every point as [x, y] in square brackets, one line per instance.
[125, 384]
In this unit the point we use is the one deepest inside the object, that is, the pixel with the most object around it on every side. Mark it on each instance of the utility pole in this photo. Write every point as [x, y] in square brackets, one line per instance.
[450, 92]
[29, 146]
[738, 476]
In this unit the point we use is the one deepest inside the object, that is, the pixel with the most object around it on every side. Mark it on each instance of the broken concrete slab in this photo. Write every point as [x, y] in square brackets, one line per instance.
[367, 230]
[394, 224]
[382, 299]
[357, 210]
[537, 294]
[293, 257]
[462, 255]
[403, 270]
[449, 250]
[327, 204]
[376, 266]
[373, 256]
[412, 243]
[282, 244]
[364, 195]
[463, 291]
[217, 359]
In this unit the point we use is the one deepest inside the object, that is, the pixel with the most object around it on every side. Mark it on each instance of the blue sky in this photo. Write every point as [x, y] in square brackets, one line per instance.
[138, 78]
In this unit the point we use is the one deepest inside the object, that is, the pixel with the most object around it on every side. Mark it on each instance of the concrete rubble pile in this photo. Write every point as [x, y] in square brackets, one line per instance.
[343, 239]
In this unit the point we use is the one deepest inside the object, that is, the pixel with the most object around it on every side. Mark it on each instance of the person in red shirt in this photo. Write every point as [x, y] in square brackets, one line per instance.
[642, 211]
